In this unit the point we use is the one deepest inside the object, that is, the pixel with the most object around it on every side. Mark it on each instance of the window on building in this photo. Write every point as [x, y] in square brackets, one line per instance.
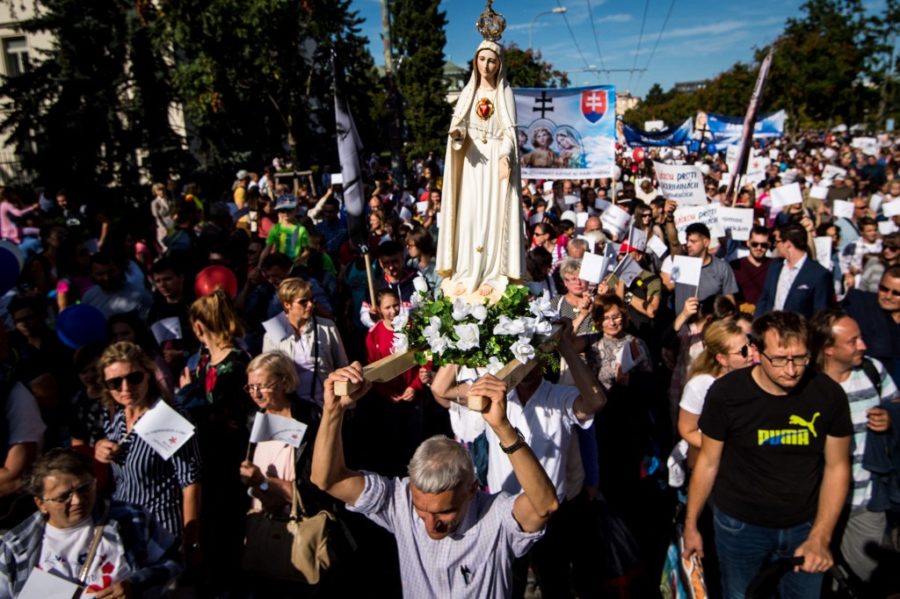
[15, 55]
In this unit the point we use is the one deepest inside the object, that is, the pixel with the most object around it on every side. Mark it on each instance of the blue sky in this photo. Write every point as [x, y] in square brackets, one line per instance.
[700, 40]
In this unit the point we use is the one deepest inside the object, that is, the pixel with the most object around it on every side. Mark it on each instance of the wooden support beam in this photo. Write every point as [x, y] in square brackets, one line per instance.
[380, 371]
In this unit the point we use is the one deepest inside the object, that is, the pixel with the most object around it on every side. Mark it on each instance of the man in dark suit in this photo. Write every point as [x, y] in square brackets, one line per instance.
[795, 282]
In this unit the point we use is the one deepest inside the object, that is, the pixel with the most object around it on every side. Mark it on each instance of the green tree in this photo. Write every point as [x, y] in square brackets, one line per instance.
[526, 68]
[255, 77]
[418, 39]
[79, 116]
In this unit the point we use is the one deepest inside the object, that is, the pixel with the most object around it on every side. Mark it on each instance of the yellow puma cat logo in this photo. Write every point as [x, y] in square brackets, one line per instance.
[798, 421]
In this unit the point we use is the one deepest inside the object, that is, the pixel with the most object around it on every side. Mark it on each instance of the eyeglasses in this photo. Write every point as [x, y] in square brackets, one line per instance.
[83, 489]
[613, 319]
[259, 389]
[744, 352]
[782, 361]
[756, 244]
[886, 289]
[133, 378]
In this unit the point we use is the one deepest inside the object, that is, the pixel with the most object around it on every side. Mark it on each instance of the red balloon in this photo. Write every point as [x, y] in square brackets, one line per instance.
[215, 277]
[638, 154]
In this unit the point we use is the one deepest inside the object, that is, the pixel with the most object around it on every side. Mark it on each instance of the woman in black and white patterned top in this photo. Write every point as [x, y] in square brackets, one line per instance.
[168, 489]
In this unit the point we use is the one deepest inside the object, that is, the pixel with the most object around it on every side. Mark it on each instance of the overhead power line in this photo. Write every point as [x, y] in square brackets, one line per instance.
[658, 37]
[640, 39]
[571, 33]
[594, 29]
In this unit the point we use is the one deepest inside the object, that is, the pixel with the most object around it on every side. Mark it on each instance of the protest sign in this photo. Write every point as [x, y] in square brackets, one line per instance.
[831, 171]
[627, 270]
[686, 270]
[823, 251]
[47, 585]
[708, 215]
[566, 133]
[337, 178]
[684, 184]
[626, 358]
[818, 192]
[593, 268]
[421, 207]
[615, 220]
[571, 199]
[164, 429]
[868, 145]
[657, 246]
[270, 427]
[875, 202]
[581, 219]
[786, 195]
[737, 220]
[601, 204]
[886, 227]
[842, 209]
[167, 329]
[891, 208]
[536, 218]
[637, 239]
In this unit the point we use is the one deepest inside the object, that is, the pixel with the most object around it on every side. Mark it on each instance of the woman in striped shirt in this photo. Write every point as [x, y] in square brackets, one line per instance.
[168, 489]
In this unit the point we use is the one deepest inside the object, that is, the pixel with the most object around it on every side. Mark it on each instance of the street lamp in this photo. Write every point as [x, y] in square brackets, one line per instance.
[554, 11]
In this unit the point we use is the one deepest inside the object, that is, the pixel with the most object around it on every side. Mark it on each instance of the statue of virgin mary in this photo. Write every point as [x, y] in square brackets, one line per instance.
[482, 242]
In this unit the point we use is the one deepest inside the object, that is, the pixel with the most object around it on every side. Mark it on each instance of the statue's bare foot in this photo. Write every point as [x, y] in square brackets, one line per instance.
[485, 290]
[459, 288]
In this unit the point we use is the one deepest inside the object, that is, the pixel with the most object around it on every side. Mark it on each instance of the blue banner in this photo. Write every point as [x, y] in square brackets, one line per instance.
[725, 130]
[672, 136]
[566, 133]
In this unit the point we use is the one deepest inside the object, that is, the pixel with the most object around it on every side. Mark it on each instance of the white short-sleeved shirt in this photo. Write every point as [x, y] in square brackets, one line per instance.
[694, 394]
[546, 422]
[475, 560]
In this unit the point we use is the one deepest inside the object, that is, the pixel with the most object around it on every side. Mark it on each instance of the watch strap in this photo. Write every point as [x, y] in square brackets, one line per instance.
[519, 444]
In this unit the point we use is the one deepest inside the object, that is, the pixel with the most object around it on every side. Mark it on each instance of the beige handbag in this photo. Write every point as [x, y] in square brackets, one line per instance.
[293, 548]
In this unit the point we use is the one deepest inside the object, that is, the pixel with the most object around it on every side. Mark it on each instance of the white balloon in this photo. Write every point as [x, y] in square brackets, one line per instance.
[15, 251]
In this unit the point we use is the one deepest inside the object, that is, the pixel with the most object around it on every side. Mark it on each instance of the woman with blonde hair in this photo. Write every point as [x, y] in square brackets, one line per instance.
[213, 393]
[162, 213]
[168, 489]
[725, 348]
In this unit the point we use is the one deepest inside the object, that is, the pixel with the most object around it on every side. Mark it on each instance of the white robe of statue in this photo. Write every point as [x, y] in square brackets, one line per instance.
[482, 238]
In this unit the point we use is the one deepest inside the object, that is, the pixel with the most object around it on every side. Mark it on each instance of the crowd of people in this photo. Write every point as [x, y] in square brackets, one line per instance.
[756, 412]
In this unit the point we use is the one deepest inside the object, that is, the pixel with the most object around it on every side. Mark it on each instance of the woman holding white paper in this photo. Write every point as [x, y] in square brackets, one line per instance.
[168, 488]
[132, 557]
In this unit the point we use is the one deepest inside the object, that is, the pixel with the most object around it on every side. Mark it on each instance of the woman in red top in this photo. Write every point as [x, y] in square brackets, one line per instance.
[398, 411]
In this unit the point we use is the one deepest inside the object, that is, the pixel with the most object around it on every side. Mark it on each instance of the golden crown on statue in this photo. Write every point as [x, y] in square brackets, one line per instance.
[490, 24]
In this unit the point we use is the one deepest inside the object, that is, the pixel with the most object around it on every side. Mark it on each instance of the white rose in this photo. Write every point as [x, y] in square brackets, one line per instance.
[440, 344]
[400, 344]
[507, 326]
[433, 329]
[479, 313]
[468, 336]
[522, 350]
[494, 365]
[460, 309]
[541, 307]
[399, 322]
[420, 284]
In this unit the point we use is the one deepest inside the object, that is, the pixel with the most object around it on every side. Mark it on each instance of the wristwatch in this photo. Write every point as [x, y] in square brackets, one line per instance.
[263, 486]
[519, 444]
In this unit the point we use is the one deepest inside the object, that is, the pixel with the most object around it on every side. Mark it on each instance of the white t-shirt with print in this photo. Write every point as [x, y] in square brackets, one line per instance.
[64, 551]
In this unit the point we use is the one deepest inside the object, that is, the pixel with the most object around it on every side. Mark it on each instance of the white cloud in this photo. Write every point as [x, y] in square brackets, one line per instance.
[616, 18]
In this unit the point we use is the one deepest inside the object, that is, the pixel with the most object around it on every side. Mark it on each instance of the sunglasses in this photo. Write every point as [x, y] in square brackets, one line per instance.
[744, 352]
[133, 378]
[83, 489]
[756, 244]
[304, 301]
[893, 248]
[885, 289]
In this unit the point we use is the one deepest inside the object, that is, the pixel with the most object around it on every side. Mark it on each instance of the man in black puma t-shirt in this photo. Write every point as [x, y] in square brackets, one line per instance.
[775, 457]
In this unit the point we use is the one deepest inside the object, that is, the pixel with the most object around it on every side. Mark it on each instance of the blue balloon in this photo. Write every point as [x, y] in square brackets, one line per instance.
[81, 325]
[9, 270]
